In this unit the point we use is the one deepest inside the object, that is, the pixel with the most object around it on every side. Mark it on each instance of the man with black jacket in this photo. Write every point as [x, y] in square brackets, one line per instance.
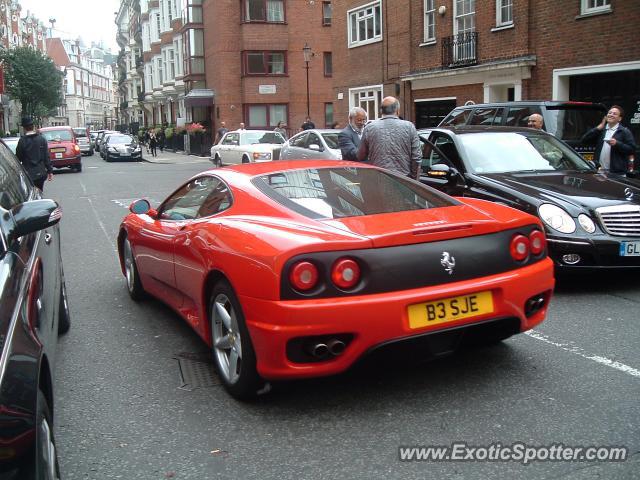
[614, 142]
[33, 153]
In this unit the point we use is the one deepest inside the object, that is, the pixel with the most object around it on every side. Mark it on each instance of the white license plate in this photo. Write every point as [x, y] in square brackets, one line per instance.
[630, 249]
[58, 155]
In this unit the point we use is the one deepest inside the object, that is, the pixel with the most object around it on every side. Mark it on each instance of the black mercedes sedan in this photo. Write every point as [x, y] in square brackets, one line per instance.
[592, 218]
[120, 146]
[33, 311]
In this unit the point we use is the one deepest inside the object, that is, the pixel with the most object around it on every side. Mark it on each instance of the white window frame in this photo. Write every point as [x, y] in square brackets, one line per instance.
[354, 12]
[429, 10]
[370, 92]
[500, 21]
[586, 9]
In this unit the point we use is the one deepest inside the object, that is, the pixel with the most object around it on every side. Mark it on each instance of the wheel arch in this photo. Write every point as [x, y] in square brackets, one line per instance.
[122, 234]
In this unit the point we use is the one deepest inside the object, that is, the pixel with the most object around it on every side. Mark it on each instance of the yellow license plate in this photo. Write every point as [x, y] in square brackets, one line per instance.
[450, 309]
[588, 156]
[57, 150]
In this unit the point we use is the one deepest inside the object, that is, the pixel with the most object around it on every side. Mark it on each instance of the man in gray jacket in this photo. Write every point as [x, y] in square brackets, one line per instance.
[392, 143]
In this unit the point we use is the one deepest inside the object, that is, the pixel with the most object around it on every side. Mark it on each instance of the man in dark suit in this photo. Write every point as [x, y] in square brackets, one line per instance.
[614, 142]
[349, 137]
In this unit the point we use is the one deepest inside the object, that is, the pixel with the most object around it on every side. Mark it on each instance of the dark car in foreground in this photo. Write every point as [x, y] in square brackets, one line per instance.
[33, 311]
[120, 146]
[298, 269]
[591, 218]
[64, 150]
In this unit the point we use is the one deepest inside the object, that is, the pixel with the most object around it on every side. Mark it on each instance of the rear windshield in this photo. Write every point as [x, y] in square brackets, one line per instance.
[261, 137]
[348, 192]
[58, 135]
[80, 132]
[571, 122]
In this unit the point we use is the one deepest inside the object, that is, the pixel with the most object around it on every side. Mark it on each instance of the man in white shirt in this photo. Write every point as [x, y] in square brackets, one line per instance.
[614, 142]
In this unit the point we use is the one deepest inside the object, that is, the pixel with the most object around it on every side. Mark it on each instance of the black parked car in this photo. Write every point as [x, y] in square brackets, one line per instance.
[566, 120]
[592, 219]
[33, 311]
[119, 146]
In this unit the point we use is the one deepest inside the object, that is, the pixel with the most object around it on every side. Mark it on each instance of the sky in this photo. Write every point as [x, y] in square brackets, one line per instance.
[93, 20]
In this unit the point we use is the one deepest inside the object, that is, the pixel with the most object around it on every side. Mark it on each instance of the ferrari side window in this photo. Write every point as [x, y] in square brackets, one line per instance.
[188, 200]
[218, 200]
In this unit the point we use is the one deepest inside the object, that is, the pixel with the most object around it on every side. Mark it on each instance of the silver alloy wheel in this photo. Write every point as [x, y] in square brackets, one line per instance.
[227, 342]
[128, 266]
[48, 450]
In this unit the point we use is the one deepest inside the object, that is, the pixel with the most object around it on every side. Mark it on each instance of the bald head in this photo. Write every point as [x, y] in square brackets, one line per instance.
[390, 106]
[535, 121]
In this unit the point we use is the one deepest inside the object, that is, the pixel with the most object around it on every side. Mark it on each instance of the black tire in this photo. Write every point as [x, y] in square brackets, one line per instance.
[134, 285]
[44, 465]
[240, 378]
[217, 162]
[106, 157]
[245, 159]
[64, 316]
[91, 152]
[78, 168]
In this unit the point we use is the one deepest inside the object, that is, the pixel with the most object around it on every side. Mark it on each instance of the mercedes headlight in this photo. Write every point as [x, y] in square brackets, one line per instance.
[557, 218]
[586, 223]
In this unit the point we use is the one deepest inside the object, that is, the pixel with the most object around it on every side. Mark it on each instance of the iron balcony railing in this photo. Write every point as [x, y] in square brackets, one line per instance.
[460, 50]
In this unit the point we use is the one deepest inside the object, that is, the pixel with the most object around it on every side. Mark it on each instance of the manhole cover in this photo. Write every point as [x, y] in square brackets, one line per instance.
[196, 370]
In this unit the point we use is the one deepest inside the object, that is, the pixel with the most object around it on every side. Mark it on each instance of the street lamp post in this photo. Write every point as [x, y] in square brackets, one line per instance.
[307, 58]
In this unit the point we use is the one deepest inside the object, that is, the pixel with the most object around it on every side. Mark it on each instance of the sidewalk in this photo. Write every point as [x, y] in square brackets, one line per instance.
[169, 157]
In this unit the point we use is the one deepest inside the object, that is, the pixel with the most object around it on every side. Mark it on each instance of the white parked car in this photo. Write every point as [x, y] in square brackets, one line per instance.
[247, 146]
[316, 143]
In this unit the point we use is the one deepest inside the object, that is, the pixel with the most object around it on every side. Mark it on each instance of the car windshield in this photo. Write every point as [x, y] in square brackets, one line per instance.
[570, 122]
[58, 135]
[120, 139]
[331, 139]
[347, 192]
[261, 137]
[80, 132]
[514, 152]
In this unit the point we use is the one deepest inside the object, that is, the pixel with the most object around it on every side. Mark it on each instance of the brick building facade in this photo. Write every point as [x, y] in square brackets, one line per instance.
[436, 54]
[255, 64]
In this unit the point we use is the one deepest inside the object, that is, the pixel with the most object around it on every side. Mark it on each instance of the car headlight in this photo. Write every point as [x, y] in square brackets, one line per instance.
[262, 155]
[556, 218]
[586, 223]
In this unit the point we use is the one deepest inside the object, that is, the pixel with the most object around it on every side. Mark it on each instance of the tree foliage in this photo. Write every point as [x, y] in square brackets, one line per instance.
[33, 79]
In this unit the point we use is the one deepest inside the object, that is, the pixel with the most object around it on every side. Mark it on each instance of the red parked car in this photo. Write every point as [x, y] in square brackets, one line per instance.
[298, 269]
[64, 150]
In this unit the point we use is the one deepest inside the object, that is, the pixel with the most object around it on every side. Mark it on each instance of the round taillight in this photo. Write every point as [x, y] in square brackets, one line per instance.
[538, 242]
[303, 276]
[345, 273]
[520, 247]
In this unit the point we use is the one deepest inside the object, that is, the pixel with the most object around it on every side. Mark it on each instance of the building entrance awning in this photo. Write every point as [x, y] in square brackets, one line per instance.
[199, 97]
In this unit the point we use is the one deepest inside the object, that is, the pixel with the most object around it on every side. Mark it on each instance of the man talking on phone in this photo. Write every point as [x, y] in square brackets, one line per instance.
[614, 142]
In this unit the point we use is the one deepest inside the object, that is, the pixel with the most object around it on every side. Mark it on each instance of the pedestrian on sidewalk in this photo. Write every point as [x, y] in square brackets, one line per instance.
[161, 139]
[33, 153]
[145, 140]
[153, 143]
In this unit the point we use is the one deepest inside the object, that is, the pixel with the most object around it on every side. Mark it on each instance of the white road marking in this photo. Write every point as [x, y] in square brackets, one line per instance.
[95, 212]
[581, 353]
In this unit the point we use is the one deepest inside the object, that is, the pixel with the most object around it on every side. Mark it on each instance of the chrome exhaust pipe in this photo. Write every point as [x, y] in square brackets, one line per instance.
[336, 347]
[319, 350]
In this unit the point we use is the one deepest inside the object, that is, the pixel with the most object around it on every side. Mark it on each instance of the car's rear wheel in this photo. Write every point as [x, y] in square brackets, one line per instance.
[134, 285]
[78, 168]
[45, 464]
[245, 159]
[217, 162]
[64, 316]
[233, 353]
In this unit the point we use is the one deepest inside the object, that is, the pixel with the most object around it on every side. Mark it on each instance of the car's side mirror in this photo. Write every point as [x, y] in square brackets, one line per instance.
[315, 147]
[143, 207]
[33, 216]
[441, 171]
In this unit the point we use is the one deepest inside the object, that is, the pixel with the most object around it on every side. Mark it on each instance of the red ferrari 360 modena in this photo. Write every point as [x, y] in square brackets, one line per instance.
[299, 269]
